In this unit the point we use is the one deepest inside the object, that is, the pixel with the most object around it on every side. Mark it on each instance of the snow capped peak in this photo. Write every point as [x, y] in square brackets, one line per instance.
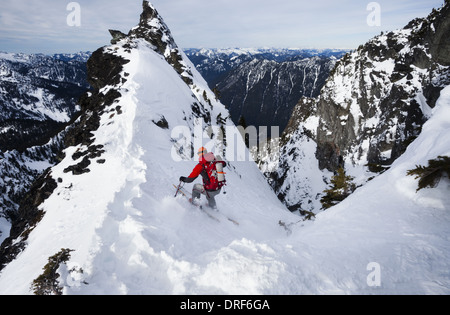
[153, 29]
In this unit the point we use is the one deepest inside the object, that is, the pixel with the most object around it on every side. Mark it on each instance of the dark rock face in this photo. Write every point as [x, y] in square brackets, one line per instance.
[117, 36]
[103, 69]
[27, 218]
[434, 31]
[265, 92]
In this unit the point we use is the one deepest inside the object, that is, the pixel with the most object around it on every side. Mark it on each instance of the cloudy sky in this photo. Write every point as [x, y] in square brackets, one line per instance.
[50, 26]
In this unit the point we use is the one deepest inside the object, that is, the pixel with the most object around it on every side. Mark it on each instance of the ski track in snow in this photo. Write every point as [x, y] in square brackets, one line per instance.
[131, 236]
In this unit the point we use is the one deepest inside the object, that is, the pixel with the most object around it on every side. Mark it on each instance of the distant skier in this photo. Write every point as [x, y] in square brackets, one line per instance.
[212, 173]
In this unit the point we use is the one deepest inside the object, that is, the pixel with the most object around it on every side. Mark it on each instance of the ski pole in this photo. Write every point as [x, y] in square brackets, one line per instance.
[178, 189]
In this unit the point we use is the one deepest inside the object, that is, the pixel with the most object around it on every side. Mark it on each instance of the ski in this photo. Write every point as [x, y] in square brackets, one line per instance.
[226, 217]
[186, 194]
[232, 220]
[182, 191]
[207, 213]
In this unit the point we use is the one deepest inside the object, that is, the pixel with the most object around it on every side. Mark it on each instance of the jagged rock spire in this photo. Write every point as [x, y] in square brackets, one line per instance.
[152, 28]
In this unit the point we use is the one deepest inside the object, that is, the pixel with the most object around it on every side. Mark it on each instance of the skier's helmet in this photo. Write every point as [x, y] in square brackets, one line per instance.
[202, 151]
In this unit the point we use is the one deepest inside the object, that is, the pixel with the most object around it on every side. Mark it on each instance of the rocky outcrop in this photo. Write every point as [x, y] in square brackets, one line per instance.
[153, 29]
[378, 97]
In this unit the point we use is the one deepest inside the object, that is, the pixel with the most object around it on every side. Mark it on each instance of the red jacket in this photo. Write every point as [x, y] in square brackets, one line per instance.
[200, 169]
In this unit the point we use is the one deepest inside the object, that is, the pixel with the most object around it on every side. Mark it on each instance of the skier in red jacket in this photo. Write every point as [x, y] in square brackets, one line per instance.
[205, 167]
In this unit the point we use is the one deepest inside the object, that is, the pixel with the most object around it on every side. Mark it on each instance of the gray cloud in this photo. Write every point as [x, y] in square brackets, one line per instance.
[40, 26]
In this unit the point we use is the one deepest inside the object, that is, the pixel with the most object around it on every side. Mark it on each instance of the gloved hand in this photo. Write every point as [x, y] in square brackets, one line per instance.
[186, 179]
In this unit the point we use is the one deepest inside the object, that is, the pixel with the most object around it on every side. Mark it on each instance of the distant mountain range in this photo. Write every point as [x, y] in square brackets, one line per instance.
[262, 86]
[215, 63]
[38, 94]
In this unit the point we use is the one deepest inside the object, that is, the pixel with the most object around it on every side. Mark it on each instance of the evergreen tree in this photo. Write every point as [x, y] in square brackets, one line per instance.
[216, 93]
[342, 187]
[429, 176]
[47, 282]
[243, 124]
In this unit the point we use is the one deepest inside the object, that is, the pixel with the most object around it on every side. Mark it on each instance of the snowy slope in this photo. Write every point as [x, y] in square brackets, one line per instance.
[129, 234]
[142, 240]
[387, 222]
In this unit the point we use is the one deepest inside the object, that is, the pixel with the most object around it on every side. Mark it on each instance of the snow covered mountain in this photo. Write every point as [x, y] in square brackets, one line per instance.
[38, 96]
[104, 220]
[215, 63]
[379, 96]
[372, 106]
